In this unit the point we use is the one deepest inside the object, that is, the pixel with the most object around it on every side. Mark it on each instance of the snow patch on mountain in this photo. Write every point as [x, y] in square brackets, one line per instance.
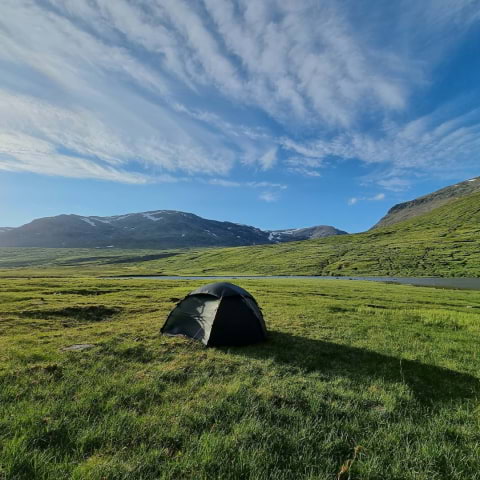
[121, 217]
[102, 220]
[151, 217]
[87, 220]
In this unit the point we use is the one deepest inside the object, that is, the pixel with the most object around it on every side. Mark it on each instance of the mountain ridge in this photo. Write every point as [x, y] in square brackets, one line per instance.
[150, 229]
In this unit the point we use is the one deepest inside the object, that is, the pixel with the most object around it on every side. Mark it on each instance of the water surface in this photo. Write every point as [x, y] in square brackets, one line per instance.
[461, 283]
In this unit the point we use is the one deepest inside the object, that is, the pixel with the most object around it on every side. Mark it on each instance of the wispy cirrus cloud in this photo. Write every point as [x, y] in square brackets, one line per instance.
[269, 197]
[235, 184]
[376, 198]
[306, 166]
[156, 91]
[442, 142]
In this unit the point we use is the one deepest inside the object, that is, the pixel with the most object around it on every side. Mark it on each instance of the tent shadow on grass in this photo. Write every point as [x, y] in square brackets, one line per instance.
[430, 384]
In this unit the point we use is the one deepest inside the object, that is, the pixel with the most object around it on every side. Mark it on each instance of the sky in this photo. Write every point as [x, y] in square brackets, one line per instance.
[272, 113]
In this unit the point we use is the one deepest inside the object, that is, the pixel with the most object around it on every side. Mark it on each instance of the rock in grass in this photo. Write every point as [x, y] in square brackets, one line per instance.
[78, 347]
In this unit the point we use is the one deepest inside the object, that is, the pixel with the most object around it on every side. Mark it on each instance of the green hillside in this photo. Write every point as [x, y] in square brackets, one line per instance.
[445, 242]
[427, 203]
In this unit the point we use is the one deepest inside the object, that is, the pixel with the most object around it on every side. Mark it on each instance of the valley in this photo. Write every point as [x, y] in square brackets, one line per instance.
[443, 243]
[239, 240]
[355, 378]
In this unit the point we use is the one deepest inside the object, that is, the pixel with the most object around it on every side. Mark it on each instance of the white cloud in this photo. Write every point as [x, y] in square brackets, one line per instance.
[229, 183]
[269, 159]
[305, 172]
[376, 198]
[306, 61]
[88, 110]
[225, 183]
[306, 166]
[439, 143]
[47, 132]
[394, 184]
[143, 91]
[269, 197]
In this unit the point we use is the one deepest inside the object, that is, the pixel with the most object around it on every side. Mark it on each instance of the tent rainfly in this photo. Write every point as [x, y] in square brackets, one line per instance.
[218, 314]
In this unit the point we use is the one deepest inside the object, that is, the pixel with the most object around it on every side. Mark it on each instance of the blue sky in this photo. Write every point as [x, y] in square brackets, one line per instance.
[274, 113]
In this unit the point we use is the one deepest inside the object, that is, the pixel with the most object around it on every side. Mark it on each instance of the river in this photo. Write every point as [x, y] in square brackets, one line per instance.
[460, 283]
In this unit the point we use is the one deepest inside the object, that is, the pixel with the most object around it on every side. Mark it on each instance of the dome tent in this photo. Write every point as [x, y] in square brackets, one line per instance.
[218, 314]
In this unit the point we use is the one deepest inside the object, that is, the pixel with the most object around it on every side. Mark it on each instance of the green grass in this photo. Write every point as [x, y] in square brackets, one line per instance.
[444, 243]
[380, 380]
[77, 260]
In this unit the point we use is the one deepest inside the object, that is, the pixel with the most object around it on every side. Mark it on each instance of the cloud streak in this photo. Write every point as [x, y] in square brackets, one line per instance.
[234, 184]
[442, 142]
[269, 197]
[146, 91]
[376, 198]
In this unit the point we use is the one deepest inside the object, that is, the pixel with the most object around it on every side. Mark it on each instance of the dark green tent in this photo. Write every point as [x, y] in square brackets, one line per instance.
[218, 314]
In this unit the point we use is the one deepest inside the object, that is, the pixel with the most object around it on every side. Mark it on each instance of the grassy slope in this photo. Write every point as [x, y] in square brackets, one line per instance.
[427, 203]
[391, 369]
[445, 242]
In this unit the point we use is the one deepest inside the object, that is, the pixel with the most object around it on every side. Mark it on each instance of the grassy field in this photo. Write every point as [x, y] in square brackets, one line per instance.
[64, 262]
[358, 380]
[444, 243]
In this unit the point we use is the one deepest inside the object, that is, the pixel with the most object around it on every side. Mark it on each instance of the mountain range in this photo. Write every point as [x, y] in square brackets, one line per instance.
[153, 229]
[164, 229]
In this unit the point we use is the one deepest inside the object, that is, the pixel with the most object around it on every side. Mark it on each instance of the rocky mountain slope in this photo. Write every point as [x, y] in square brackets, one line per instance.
[309, 233]
[154, 229]
[427, 203]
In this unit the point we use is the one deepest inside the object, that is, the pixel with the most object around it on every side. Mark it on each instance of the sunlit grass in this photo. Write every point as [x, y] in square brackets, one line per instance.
[389, 372]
